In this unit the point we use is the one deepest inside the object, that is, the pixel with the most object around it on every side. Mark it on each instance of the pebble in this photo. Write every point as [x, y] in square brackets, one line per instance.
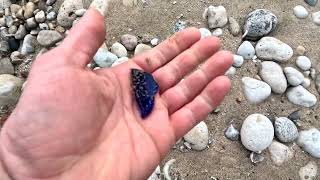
[257, 132]
[273, 75]
[309, 141]
[156, 174]
[154, 41]
[9, 21]
[255, 91]
[44, 26]
[237, 61]
[16, 57]
[40, 17]
[294, 76]
[301, 50]
[294, 116]
[311, 2]
[3, 22]
[28, 44]
[232, 133]
[302, 97]
[13, 44]
[317, 82]
[29, 8]
[119, 50]
[120, 61]
[246, 50]
[129, 41]
[10, 89]
[217, 32]
[31, 23]
[66, 12]
[103, 58]
[300, 12]
[34, 32]
[216, 16]
[280, 153]
[51, 15]
[4, 47]
[272, 49]
[313, 73]
[306, 83]
[205, 33]
[285, 130]
[234, 26]
[5, 4]
[14, 8]
[48, 38]
[304, 63]
[6, 67]
[179, 25]
[259, 23]
[198, 137]
[316, 18]
[80, 12]
[20, 14]
[50, 2]
[141, 48]
[13, 29]
[231, 71]
[309, 171]
[256, 157]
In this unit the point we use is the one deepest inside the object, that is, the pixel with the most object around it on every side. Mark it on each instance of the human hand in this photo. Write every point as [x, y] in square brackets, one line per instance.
[75, 123]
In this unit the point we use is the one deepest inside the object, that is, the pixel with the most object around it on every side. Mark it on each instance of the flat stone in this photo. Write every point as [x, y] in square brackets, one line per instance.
[280, 153]
[255, 91]
[294, 76]
[6, 66]
[309, 141]
[216, 16]
[198, 137]
[48, 38]
[273, 75]
[272, 49]
[300, 96]
[300, 12]
[246, 50]
[285, 130]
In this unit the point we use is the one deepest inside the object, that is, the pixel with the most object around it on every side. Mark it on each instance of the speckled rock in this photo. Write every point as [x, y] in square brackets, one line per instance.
[302, 97]
[246, 50]
[141, 48]
[10, 89]
[280, 153]
[103, 58]
[270, 48]
[273, 75]
[294, 76]
[198, 137]
[216, 16]
[119, 50]
[286, 131]
[255, 91]
[304, 63]
[66, 14]
[300, 12]
[6, 66]
[205, 32]
[309, 171]
[309, 141]
[129, 41]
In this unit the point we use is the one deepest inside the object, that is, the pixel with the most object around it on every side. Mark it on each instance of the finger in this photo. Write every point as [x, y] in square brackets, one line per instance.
[85, 38]
[191, 114]
[166, 51]
[187, 90]
[170, 74]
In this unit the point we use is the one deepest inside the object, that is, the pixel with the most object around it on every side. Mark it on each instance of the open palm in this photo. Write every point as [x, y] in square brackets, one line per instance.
[75, 123]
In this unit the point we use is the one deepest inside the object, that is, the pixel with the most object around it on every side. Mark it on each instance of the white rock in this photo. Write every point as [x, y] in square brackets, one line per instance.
[302, 97]
[294, 76]
[237, 61]
[309, 171]
[120, 61]
[270, 48]
[309, 140]
[80, 12]
[300, 12]
[273, 75]
[141, 48]
[257, 132]
[119, 50]
[316, 18]
[231, 71]
[246, 50]
[198, 137]
[205, 32]
[40, 17]
[285, 130]
[156, 174]
[217, 32]
[216, 16]
[103, 58]
[306, 83]
[66, 12]
[303, 62]
[280, 153]
[154, 41]
[255, 91]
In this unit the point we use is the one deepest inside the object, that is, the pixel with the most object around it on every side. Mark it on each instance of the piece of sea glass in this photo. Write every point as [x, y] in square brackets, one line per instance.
[145, 88]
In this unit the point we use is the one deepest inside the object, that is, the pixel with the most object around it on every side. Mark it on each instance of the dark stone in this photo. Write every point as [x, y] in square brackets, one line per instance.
[4, 48]
[295, 116]
[311, 2]
[13, 44]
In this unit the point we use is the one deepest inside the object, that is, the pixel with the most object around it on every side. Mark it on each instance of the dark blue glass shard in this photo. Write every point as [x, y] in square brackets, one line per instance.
[145, 88]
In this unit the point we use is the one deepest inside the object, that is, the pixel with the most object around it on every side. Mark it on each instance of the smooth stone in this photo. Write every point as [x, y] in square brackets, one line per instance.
[311, 2]
[309, 171]
[154, 41]
[231, 71]
[6, 66]
[50, 2]
[294, 116]
[309, 141]
[51, 16]
[317, 82]
[286, 131]
[10, 89]
[14, 8]
[120, 61]
[28, 45]
[20, 14]
[103, 58]
[205, 33]
[48, 38]
[255, 91]
[232, 133]
[29, 8]
[304, 63]
[246, 50]
[294, 76]
[80, 12]
[280, 153]
[273, 75]
[66, 12]
[234, 26]
[40, 17]
[5, 4]
[141, 48]
[198, 137]
[257, 132]
[13, 44]
[301, 50]
[272, 49]
[44, 26]
[16, 57]
[3, 22]
[21, 32]
[129, 41]
[13, 29]
[217, 32]
[300, 12]
[306, 83]
[237, 61]
[259, 23]
[316, 18]
[216, 16]
[34, 32]
[31, 23]
[300, 96]
[119, 50]
[313, 73]
[179, 26]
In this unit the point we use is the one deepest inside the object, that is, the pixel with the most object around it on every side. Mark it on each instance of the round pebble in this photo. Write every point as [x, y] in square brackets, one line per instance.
[217, 32]
[141, 48]
[255, 91]
[129, 41]
[40, 17]
[294, 76]
[309, 140]
[48, 38]
[301, 50]
[154, 41]
[302, 97]
[205, 33]
[272, 49]
[300, 12]
[304, 63]
[285, 130]
[246, 50]
[237, 61]
[273, 75]
[280, 153]
[51, 15]
[198, 137]
[119, 50]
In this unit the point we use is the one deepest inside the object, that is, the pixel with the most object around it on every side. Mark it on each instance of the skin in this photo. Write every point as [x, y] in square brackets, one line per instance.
[75, 123]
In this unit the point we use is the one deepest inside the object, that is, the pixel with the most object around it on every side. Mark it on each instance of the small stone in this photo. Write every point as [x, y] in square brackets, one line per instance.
[285, 130]
[10, 89]
[306, 73]
[28, 45]
[217, 32]
[29, 8]
[302, 97]
[44, 26]
[16, 57]
[301, 50]
[141, 48]
[7, 11]
[9, 21]
[246, 50]
[300, 12]
[309, 141]
[313, 73]
[66, 14]
[40, 17]
[232, 133]
[20, 14]
[14, 8]
[256, 157]
[295, 116]
[146, 38]
[306, 83]
[309, 171]
[120, 61]
[50, 2]
[198, 137]
[4, 47]
[280, 153]
[6, 67]
[316, 18]
[34, 32]
[51, 16]
[48, 38]
[13, 44]
[255, 91]
[31, 23]
[234, 26]
[311, 2]
[154, 41]
[119, 50]
[231, 71]
[257, 132]
[304, 63]
[103, 58]
[272, 49]
[60, 29]
[273, 75]
[13, 29]
[237, 61]
[5, 4]
[205, 33]
[294, 76]
[216, 16]
[179, 25]
[129, 41]
[3, 22]
[80, 12]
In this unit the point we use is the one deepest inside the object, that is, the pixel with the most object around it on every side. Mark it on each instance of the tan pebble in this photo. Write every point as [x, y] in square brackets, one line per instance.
[301, 50]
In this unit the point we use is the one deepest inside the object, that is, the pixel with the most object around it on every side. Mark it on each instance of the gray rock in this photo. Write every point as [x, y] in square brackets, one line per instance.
[6, 67]
[285, 130]
[129, 41]
[66, 14]
[309, 171]
[302, 97]
[309, 141]
[31, 23]
[306, 83]
[29, 8]
[272, 49]
[51, 16]
[313, 73]
[198, 137]
[234, 26]
[10, 90]
[34, 32]
[103, 58]
[255, 91]
[217, 32]
[3, 22]
[294, 76]
[21, 32]
[4, 48]
[205, 33]
[259, 23]
[246, 50]
[231, 71]
[304, 63]
[300, 12]
[44, 26]
[237, 61]
[280, 153]
[156, 174]
[16, 57]
[256, 157]
[28, 45]
[48, 38]
[80, 12]
[311, 2]
[13, 29]
[9, 21]
[14, 8]
[257, 132]
[120, 61]
[317, 82]
[50, 2]
[216, 16]
[5, 4]
[294, 116]
[40, 17]
[119, 50]
[141, 48]
[316, 18]
[273, 75]
[232, 133]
